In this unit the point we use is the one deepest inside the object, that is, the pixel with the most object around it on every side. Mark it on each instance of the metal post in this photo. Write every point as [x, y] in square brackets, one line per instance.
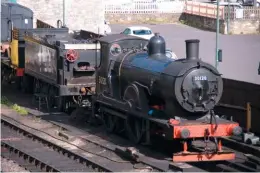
[248, 117]
[217, 35]
[228, 19]
[64, 12]
[259, 69]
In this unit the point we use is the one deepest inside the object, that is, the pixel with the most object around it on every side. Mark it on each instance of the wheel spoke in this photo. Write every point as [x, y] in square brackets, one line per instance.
[134, 129]
[110, 122]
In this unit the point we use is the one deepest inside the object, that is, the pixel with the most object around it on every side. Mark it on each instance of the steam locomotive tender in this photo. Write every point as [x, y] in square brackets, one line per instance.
[144, 92]
[55, 63]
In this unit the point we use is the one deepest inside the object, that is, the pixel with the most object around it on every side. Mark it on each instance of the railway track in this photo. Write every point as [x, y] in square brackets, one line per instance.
[38, 154]
[244, 162]
[247, 160]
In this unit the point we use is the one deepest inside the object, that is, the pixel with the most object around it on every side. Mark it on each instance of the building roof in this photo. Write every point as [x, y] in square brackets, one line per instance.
[11, 4]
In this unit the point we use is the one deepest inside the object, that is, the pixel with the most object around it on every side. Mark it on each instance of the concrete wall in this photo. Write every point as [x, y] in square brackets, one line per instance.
[202, 22]
[235, 27]
[245, 27]
[80, 14]
[142, 18]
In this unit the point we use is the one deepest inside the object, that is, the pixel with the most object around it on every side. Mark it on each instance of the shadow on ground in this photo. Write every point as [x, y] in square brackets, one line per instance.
[25, 101]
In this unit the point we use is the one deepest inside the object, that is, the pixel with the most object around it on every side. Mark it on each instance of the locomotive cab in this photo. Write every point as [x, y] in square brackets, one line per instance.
[115, 48]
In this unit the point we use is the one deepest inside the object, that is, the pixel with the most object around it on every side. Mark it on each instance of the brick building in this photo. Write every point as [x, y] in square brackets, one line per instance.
[79, 14]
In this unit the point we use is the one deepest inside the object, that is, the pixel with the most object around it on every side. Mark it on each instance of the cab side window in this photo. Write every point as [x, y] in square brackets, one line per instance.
[127, 31]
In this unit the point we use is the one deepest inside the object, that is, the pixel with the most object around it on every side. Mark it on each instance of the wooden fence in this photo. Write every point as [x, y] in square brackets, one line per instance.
[204, 9]
[210, 10]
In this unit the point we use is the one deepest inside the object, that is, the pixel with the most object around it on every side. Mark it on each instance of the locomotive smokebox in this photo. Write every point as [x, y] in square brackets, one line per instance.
[156, 45]
[192, 49]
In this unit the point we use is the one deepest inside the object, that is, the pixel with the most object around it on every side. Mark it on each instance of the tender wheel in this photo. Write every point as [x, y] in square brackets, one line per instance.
[18, 82]
[61, 104]
[3, 75]
[36, 86]
[27, 85]
[110, 122]
[134, 129]
[52, 94]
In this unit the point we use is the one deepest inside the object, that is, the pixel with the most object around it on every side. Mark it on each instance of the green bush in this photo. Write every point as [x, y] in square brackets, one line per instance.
[17, 108]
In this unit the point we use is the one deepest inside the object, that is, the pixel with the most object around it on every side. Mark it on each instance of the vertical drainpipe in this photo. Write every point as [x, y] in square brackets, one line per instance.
[228, 18]
[64, 13]
[217, 36]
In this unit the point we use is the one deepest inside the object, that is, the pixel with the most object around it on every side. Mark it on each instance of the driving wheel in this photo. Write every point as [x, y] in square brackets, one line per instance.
[110, 122]
[134, 128]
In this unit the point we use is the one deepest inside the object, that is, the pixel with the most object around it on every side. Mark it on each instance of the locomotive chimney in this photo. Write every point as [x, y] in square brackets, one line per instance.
[192, 49]
[156, 45]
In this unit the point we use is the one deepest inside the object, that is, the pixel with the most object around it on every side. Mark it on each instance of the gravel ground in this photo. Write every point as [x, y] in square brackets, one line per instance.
[10, 166]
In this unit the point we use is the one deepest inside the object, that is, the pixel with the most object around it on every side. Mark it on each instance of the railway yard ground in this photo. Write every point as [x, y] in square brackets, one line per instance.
[240, 52]
[42, 141]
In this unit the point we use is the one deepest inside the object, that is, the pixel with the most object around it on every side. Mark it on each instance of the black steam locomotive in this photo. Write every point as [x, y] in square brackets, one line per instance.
[140, 90]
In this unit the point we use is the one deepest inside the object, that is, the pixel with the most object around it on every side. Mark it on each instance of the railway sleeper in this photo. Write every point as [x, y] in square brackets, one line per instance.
[246, 148]
[29, 151]
[20, 161]
[222, 167]
[91, 164]
[254, 159]
[50, 163]
[252, 165]
[19, 154]
[242, 167]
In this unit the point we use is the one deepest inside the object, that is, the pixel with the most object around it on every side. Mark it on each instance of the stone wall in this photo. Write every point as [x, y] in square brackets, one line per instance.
[80, 14]
[202, 22]
[153, 18]
[244, 27]
[235, 26]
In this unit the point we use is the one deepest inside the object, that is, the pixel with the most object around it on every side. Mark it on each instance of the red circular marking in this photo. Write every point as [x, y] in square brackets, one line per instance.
[71, 55]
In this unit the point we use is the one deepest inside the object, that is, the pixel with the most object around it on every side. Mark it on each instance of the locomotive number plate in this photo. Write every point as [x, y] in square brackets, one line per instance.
[102, 80]
[199, 78]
